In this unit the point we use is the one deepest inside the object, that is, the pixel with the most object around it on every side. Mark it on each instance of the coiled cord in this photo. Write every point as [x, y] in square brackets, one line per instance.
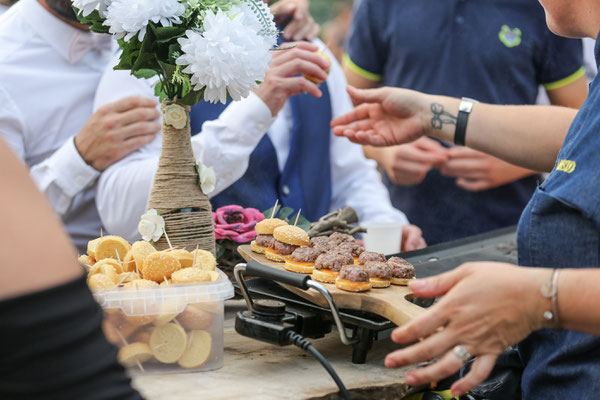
[299, 341]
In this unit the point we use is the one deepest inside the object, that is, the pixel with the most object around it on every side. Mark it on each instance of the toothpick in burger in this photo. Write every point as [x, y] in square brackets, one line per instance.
[287, 238]
[264, 230]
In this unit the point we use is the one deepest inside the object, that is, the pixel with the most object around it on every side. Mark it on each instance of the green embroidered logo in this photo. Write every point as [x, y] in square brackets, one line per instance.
[510, 37]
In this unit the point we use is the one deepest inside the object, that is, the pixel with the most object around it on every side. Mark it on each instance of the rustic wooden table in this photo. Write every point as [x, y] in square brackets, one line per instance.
[256, 370]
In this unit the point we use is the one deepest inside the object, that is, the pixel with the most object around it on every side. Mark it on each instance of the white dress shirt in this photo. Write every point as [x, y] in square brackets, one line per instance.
[226, 144]
[48, 78]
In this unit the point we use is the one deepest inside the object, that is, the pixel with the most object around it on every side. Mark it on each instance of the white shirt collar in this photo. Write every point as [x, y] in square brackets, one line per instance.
[61, 36]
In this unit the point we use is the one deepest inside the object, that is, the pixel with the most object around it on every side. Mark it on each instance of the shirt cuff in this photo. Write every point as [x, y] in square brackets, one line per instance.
[73, 174]
[250, 114]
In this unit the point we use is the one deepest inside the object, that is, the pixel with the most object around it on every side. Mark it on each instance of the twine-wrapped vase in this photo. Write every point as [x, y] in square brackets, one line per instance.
[176, 192]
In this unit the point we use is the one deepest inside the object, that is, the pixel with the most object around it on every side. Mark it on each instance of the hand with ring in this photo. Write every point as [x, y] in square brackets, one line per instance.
[485, 308]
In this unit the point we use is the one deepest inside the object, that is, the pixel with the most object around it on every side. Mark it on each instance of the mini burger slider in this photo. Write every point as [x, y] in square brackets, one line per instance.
[328, 266]
[353, 278]
[380, 272]
[264, 230]
[402, 271]
[303, 260]
[287, 239]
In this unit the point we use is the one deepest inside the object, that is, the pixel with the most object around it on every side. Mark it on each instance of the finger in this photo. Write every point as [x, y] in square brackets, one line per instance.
[422, 326]
[448, 365]
[434, 148]
[437, 285]
[286, 56]
[314, 31]
[283, 7]
[422, 351]
[474, 185]
[137, 115]
[299, 66]
[481, 369]
[471, 168]
[136, 142]
[366, 95]
[358, 113]
[303, 30]
[299, 85]
[138, 129]
[128, 103]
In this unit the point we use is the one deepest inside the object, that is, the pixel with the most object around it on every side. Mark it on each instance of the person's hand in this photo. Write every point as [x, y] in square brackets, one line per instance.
[384, 117]
[117, 129]
[486, 308]
[412, 238]
[284, 78]
[408, 164]
[302, 26]
[476, 171]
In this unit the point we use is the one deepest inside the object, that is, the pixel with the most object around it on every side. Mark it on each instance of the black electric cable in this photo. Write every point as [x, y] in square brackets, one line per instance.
[298, 340]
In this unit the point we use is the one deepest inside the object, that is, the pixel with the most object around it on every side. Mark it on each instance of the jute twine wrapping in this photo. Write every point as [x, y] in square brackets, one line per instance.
[176, 188]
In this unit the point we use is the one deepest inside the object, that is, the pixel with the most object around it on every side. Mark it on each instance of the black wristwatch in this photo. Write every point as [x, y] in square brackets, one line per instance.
[464, 109]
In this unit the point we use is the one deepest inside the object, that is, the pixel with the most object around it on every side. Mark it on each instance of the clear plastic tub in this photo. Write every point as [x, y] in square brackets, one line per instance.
[169, 328]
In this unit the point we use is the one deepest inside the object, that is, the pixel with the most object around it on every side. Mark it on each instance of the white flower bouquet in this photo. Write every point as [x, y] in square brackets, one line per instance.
[211, 49]
[198, 49]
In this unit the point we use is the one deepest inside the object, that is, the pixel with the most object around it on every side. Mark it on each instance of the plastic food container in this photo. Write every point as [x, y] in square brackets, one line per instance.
[167, 329]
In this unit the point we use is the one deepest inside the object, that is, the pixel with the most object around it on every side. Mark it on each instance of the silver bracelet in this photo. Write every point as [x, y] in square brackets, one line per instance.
[550, 291]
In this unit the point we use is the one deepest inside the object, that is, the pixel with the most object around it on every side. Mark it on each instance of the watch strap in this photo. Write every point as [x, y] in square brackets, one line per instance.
[464, 109]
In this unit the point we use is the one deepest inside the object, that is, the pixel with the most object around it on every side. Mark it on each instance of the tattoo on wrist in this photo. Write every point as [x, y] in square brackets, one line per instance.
[441, 116]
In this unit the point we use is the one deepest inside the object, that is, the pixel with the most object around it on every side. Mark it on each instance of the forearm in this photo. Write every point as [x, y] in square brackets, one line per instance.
[578, 296]
[528, 136]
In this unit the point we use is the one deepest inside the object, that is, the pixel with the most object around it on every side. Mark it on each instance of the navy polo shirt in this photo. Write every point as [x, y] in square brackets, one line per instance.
[495, 51]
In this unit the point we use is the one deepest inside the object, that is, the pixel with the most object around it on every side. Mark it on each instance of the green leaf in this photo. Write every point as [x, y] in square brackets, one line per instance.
[269, 212]
[144, 73]
[93, 19]
[220, 249]
[285, 212]
[165, 34]
[303, 223]
[159, 91]
[147, 57]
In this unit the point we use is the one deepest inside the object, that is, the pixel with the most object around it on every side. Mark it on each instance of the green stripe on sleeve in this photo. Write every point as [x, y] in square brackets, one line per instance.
[565, 81]
[358, 70]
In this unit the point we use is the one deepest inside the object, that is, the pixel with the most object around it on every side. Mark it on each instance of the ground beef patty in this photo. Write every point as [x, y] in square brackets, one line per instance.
[305, 254]
[333, 261]
[282, 248]
[263, 240]
[353, 248]
[370, 256]
[322, 243]
[401, 268]
[354, 273]
[379, 269]
[338, 238]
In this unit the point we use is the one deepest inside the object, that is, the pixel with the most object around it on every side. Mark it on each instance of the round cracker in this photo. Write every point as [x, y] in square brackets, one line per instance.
[168, 343]
[198, 350]
[186, 259]
[134, 353]
[204, 260]
[194, 318]
[140, 251]
[191, 275]
[101, 281]
[118, 267]
[112, 247]
[159, 266]
[91, 248]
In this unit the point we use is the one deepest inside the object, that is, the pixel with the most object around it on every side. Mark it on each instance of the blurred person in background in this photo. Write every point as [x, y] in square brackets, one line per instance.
[491, 51]
[335, 31]
[274, 145]
[5, 4]
[50, 67]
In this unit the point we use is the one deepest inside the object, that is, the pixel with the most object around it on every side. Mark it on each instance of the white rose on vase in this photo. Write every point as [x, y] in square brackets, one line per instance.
[175, 115]
[206, 178]
[151, 226]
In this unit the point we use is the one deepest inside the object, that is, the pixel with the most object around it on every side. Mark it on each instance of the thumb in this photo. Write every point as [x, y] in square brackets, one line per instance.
[438, 285]
[366, 95]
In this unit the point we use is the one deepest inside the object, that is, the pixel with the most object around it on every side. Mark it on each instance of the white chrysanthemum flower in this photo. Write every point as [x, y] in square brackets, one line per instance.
[227, 57]
[87, 6]
[262, 21]
[128, 18]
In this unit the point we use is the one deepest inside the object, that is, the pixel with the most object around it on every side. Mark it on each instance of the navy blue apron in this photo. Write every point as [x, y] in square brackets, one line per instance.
[560, 228]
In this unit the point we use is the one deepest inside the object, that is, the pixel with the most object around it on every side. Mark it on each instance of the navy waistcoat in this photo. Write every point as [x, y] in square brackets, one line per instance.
[305, 181]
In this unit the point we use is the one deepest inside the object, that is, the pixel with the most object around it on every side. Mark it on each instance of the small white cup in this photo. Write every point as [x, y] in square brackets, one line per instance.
[383, 237]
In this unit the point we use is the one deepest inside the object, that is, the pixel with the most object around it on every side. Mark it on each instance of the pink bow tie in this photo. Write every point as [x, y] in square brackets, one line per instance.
[83, 42]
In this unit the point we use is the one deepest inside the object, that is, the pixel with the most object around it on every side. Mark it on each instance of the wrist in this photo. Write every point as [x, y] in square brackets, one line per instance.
[440, 117]
[543, 293]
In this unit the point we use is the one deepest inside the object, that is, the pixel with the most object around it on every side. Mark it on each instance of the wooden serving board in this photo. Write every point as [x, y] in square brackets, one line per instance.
[390, 303]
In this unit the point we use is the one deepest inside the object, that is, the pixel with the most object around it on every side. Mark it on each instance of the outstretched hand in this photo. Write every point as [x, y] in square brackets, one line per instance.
[486, 308]
[384, 117]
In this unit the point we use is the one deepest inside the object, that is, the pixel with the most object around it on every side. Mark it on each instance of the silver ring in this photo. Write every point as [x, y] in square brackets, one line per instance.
[462, 353]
